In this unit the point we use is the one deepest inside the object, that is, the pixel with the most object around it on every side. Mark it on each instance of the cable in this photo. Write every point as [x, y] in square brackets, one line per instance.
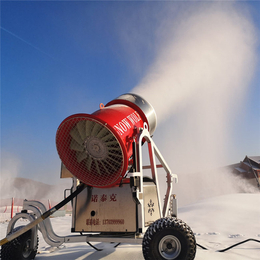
[204, 248]
[250, 239]
[45, 215]
[225, 249]
[94, 246]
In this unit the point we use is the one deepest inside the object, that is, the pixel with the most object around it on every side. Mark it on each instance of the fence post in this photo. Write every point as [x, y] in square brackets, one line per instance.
[49, 202]
[12, 208]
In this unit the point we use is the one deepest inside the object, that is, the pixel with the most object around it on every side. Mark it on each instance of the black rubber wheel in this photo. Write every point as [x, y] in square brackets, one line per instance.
[19, 248]
[169, 238]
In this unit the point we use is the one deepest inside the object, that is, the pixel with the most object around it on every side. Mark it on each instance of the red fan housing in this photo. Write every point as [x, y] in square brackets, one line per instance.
[97, 148]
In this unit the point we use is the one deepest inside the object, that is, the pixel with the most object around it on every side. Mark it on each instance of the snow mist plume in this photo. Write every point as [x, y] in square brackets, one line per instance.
[10, 165]
[20, 188]
[197, 84]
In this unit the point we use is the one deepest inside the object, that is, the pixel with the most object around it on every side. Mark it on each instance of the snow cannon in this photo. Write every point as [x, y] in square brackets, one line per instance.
[97, 148]
[118, 198]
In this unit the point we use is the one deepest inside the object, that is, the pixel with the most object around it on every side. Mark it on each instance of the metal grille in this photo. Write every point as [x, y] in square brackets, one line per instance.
[90, 151]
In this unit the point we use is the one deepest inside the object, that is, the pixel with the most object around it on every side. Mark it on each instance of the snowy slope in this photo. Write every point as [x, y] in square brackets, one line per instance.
[218, 223]
[222, 221]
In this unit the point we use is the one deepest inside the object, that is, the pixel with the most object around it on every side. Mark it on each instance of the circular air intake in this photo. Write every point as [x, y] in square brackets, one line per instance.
[90, 151]
[97, 148]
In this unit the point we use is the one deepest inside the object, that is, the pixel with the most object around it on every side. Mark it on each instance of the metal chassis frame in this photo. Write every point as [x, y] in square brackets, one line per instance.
[34, 209]
[29, 217]
[154, 153]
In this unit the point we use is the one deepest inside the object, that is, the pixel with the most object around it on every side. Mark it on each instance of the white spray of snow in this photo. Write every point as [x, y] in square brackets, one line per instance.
[198, 84]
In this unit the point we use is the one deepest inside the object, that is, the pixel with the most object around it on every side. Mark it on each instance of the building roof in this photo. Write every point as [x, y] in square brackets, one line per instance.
[256, 159]
[252, 162]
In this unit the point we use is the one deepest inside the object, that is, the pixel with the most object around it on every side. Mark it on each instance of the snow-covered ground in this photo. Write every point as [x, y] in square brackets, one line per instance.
[217, 222]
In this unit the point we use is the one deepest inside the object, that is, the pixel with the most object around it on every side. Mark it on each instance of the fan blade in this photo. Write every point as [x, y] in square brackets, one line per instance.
[115, 154]
[114, 148]
[97, 127]
[81, 128]
[112, 143]
[118, 162]
[76, 146]
[103, 132]
[89, 127]
[81, 156]
[107, 137]
[105, 168]
[111, 165]
[74, 133]
[97, 167]
[89, 162]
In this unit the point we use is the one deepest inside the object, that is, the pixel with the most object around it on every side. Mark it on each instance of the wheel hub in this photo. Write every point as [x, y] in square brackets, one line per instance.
[27, 248]
[169, 247]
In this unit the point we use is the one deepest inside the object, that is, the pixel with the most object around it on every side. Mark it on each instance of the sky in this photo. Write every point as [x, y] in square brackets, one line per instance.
[196, 62]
